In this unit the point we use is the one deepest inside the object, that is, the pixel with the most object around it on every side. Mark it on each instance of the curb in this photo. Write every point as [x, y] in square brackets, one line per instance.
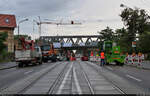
[131, 66]
[138, 67]
[8, 67]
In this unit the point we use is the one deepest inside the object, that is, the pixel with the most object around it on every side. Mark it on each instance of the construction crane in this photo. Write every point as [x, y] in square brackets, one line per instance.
[54, 23]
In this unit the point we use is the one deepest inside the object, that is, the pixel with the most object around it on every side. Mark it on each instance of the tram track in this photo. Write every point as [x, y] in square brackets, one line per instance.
[115, 85]
[118, 89]
[37, 79]
[23, 85]
[69, 78]
[57, 81]
[87, 79]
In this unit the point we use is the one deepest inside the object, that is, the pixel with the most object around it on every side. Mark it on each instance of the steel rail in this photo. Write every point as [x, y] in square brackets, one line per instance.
[115, 86]
[33, 82]
[57, 80]
[87, 79]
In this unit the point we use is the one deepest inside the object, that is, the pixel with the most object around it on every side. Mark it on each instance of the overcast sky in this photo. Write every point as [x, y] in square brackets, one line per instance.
[94, 15]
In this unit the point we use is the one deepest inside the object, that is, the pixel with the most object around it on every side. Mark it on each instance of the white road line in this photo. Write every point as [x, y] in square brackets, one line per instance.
[28, 72]
[134, 78]
[76, 82]
[64, 80]
[110, 68]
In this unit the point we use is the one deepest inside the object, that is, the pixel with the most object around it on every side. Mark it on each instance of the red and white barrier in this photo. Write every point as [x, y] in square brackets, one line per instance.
[134, 60]
[95, 58]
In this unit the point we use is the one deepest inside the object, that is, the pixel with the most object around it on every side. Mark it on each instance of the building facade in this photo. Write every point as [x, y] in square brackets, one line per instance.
[8, 24]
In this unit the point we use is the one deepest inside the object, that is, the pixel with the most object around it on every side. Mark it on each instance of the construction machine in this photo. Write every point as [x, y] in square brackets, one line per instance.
[53, 53]
[113, 53]
[28, 53]
[49, 53]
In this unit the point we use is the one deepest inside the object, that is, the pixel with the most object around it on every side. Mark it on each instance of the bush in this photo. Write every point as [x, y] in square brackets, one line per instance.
[6, 56]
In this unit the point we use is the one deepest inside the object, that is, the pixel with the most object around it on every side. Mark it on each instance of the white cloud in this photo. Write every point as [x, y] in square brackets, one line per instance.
[93, 14]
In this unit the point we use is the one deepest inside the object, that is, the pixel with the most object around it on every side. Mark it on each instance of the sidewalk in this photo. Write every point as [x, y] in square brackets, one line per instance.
[144, 65]
[7, 65]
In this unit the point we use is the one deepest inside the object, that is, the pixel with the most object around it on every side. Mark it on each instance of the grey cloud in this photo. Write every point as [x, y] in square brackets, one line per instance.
[37, 7]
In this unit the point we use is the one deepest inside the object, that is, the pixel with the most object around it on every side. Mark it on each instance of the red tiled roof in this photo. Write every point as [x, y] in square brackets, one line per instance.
[7, 21]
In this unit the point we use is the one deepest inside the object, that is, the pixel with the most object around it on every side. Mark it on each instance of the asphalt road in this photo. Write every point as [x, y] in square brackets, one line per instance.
[134, 75]
[10, 76]
[74, 77]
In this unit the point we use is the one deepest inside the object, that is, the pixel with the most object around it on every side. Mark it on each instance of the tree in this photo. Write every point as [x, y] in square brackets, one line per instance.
[143, 43]
[123, 40]
[136, 21]
[25, 36]
[3, 36]
[107, 34]
[119, 33]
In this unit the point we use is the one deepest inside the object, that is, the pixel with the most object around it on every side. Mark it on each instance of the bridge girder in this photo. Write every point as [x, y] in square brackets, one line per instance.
[71, 39]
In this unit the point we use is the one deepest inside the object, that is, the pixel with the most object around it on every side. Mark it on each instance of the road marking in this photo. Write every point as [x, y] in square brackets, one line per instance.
[110, 68]
[134, 78]
[64, 80]
[28, 72]
[76, 82]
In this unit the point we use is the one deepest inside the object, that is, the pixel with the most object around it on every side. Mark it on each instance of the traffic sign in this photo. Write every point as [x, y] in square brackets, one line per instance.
[133, 44]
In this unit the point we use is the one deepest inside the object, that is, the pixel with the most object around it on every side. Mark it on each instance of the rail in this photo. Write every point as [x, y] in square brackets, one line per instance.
[114, 85]
[87, 79]
[57, 81]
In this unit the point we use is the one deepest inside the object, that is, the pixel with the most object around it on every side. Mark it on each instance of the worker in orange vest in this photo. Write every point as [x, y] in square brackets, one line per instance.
[102, 56]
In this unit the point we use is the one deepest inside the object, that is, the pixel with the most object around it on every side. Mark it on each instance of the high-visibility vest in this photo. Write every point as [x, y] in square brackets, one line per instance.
[102, 55]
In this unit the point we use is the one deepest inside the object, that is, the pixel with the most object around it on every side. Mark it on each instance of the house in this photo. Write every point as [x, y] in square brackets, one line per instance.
[8, 24]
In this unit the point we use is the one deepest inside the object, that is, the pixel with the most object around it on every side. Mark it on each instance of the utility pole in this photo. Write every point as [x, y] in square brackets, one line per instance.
[39, 26]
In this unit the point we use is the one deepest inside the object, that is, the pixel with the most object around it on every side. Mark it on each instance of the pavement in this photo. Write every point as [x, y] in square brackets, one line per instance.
[144, 65]
[7, 65]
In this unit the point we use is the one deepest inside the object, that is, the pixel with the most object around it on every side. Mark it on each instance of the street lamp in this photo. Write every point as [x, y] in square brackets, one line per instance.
[20, 23]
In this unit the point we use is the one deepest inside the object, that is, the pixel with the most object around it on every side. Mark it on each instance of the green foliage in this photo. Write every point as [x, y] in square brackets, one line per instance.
[143, 43]
[137, 29]
[4, 55]
[135, 20]
[107, 34]
[3, 36]
[25, 36]
[123, 39]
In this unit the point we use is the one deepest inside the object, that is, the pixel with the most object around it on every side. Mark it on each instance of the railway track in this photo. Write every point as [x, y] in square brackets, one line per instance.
[57, 81]
[25, 84]
[30, 85]
[114, 85]
[93, 89]
[55, 76]
[66, 83]
[70, 78]
[87, 79]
